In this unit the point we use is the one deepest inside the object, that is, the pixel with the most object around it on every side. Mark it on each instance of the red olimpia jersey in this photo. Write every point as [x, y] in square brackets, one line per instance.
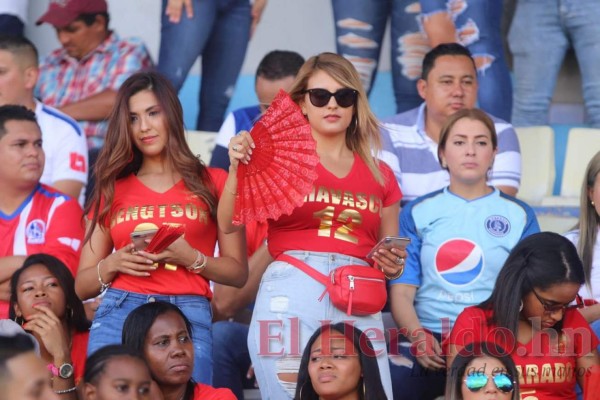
[47, 222]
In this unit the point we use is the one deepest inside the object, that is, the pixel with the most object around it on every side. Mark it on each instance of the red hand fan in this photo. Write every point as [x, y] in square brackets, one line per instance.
[282, 169]
[166, 234]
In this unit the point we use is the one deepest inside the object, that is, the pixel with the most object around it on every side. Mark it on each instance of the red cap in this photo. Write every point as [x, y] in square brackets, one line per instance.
[62, 12]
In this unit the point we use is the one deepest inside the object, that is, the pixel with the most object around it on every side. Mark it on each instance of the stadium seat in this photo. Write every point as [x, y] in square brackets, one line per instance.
[537, 163]
[582, 145]
[201, 143]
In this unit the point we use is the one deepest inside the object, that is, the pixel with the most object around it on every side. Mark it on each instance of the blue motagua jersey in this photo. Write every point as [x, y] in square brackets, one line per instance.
[457, 248]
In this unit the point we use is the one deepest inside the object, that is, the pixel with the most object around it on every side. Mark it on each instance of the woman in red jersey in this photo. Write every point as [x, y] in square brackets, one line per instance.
[147, 176]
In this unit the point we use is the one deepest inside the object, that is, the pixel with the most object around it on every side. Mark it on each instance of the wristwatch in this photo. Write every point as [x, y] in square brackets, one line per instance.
[65, 371]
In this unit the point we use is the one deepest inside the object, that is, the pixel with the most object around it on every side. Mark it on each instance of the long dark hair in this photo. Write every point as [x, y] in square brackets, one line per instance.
[540, 260]
[371, 380]
[138, 323]
[74, 313]
[96, 362]
[120, 157]
[469, 353]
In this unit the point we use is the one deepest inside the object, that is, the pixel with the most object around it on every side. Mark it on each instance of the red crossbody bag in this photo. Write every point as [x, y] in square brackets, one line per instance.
[355, 289]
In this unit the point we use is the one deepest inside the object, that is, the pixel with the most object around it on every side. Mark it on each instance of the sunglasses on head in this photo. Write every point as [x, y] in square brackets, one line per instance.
[476, 381]
[343, 97]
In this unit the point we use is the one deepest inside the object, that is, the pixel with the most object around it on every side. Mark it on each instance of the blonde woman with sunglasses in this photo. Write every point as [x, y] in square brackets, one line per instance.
[354, 203]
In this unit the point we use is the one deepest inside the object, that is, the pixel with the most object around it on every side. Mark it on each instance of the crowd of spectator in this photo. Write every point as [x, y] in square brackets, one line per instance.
[93, 151]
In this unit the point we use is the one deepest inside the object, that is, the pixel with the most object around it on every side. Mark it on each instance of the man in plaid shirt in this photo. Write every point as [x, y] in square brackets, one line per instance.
[81, 78]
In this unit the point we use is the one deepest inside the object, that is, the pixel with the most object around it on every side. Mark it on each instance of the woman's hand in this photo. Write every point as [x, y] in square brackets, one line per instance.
[240, 149]
[391, 262]
[428, 351]
[127, 261]
[48, 328]
[174, 10]
[180, 252]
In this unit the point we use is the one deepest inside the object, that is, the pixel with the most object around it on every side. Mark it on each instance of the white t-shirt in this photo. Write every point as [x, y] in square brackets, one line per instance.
[65, 147]
[15, 7]
[584, 292]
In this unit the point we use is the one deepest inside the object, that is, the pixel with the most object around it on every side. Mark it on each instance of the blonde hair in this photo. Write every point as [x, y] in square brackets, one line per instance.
[589, 221]
[363, 133]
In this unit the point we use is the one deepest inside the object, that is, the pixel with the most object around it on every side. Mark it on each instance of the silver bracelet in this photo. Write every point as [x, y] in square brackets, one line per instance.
[74, 388]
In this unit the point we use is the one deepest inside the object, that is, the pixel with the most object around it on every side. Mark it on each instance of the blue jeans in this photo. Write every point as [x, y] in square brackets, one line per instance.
[410, 380]
[231, 358]
[479, 29]
[541, 33]
[364, 53]
[219, 32]
[116, 305]
[409, 44]
[286, 314]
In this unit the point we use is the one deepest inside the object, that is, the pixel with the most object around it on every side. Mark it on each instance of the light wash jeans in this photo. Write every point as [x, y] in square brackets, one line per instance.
[540, 34]
[360, 26]
[286, 314]
[219, 32]
[116, 305]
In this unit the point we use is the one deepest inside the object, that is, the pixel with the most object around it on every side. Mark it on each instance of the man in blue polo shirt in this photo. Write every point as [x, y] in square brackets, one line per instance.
[277, 70]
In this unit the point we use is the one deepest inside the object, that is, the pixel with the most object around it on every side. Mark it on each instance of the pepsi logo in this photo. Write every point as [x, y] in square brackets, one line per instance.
[459, 261]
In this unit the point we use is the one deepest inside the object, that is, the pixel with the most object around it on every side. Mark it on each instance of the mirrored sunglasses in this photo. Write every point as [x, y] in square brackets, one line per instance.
[320, 97]
[477, 381]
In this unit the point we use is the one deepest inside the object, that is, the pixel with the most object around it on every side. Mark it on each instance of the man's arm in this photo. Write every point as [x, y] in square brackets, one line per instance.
[97, 107]
[8, 266]
[69, 187]
[509, 190]
[229, 300]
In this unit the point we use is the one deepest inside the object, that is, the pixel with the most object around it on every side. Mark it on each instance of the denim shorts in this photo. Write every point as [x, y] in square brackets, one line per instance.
[117, 304]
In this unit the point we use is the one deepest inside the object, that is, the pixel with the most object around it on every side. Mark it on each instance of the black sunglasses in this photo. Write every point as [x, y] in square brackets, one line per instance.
[320, 97]
[552, 308]
[477, 381]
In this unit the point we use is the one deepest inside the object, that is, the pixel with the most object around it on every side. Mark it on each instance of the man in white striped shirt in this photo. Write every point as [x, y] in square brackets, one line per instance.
[410, 139]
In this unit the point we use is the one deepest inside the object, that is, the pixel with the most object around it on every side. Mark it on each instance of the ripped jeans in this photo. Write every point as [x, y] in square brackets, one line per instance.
[360, 26]
[287, 312]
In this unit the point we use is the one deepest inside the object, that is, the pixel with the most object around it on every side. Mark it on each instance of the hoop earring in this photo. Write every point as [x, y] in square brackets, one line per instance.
[20, 320]
[301, 388]
[521, 307]
[364, 390]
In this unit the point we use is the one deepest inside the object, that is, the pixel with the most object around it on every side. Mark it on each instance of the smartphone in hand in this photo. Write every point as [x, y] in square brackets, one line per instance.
[388, 242]
[138, 238]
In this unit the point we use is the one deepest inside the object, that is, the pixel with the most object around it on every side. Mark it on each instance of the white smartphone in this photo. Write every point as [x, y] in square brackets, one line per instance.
[138, 238]
[388, 242]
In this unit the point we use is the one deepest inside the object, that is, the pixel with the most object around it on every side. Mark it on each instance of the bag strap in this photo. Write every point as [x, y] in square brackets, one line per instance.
[307, 269]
